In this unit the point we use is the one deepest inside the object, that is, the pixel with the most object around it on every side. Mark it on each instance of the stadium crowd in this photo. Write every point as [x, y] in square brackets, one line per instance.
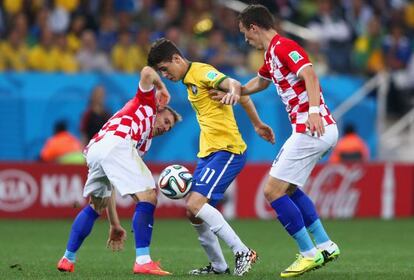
[350, 36]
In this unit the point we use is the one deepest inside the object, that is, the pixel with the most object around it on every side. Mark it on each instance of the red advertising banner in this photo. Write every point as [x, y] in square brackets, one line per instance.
[34, 190]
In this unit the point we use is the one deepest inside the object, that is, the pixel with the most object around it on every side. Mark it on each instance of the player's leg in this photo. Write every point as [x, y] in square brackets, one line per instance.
[214, 179]
[314, 225]
[292, 167]
[142, 224]
[130, 176]
[320, 146]
[208, 240]
[291, 218]
[98, 188]
[210, 243]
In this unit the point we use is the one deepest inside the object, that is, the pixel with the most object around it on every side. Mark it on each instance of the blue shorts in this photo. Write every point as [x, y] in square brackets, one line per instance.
[214, 174]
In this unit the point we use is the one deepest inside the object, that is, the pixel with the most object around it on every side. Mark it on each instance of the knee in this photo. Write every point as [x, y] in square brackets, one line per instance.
[192, 208]
[273, 190]
[152, 197]
[147, 196]
[99, 204]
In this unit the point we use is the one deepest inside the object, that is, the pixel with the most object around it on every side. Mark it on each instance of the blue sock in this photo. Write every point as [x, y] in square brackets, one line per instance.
[306, 207]
[290, 217]
[81, 228]
[310, 217]
[318, 232]
[142, 223]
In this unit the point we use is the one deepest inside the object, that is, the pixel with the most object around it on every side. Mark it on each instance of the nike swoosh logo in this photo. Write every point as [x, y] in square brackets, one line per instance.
[150, 226]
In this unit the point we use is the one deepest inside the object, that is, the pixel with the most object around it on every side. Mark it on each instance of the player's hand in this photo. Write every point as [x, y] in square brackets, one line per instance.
[117, 237]
[230, 99]
[266, 132]
[216, 94]
[162, 96]
[315, 124]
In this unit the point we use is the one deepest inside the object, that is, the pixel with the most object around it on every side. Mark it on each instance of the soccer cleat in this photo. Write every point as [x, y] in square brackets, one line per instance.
[331, 253]
[65, 265]
[208, 269]
[244, 262]
[150, 268]
[302, 265]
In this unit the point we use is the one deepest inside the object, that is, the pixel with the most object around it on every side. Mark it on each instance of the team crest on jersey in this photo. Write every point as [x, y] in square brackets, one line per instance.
[211, 75]
[194, 89]
[295, 56]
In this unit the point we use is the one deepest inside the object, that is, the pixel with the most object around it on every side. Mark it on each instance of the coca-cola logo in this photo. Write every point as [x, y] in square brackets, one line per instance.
[333, 190]
[18, 190]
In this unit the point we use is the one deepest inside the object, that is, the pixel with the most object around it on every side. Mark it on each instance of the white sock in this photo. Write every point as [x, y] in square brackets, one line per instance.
[221, 228]
[143, 259]
[325, 245]
[211, 245]
[310, 253]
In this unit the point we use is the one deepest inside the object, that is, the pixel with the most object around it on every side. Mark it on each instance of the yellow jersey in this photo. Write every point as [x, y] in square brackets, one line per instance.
[218, 127]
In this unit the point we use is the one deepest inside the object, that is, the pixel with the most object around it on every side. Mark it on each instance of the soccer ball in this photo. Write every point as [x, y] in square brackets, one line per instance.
[175, 181]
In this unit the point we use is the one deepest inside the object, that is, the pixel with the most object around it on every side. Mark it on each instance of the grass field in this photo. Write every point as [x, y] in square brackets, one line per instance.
[371, 249]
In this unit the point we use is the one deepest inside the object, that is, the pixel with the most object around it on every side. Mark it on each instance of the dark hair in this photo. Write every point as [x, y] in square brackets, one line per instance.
[60, 126]
[349, 128]
[162, 50]
[258, 15]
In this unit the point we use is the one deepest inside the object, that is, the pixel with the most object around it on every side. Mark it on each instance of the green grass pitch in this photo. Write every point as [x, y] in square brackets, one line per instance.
[371, 249]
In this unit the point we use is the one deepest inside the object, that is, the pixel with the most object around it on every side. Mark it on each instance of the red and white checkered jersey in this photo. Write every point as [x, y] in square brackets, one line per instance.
[283, 61]
[134, 121]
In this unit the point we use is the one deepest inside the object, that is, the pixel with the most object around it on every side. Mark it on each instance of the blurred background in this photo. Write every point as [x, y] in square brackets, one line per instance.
[68, 65]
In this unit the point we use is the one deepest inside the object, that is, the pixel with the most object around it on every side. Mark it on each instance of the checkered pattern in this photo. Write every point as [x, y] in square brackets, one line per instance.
[284, 59]
[134, 121]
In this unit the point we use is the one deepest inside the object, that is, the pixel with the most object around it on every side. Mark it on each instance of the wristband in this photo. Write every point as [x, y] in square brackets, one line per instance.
[314, 110]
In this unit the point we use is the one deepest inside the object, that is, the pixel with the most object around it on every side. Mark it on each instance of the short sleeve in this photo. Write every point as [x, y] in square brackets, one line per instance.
[210, 76]
[264, 72]
[292, 56]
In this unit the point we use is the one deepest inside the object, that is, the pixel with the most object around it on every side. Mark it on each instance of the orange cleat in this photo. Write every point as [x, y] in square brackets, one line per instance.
[150, 268]
[65, 265]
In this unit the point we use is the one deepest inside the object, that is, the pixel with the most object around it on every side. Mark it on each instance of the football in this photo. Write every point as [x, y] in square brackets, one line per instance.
[175, 181]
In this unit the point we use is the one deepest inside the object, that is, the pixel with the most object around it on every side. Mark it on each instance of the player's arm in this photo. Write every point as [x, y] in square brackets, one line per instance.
[117, 234]
[255, 85]
[315, 123]
[232, 90]
[261, 128]
[149, 78]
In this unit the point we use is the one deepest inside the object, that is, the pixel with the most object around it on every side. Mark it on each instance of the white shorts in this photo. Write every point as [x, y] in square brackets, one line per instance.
[300, 153]
[114, 161]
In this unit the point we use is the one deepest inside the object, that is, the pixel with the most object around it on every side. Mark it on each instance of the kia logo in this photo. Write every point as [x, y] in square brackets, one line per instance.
[18, 190]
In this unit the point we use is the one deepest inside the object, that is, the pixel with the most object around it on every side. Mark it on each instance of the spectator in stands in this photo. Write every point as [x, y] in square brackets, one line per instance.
[107, 33]
[358, 13]
[14, 52]
[397, 51]
[62, 147]
[67, 61]
[221, 54]
[141, 47]
[334, 35]
[95, 115]
[44, 56]
[350, 148]
[77, 26]
[89, 57]
[367, 56]
[128, 57]
[170, 15]
[39, 26]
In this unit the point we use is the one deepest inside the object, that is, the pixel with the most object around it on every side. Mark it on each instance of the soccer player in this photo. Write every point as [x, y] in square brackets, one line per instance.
[314, 132]
[222, 152]
[114, 160]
